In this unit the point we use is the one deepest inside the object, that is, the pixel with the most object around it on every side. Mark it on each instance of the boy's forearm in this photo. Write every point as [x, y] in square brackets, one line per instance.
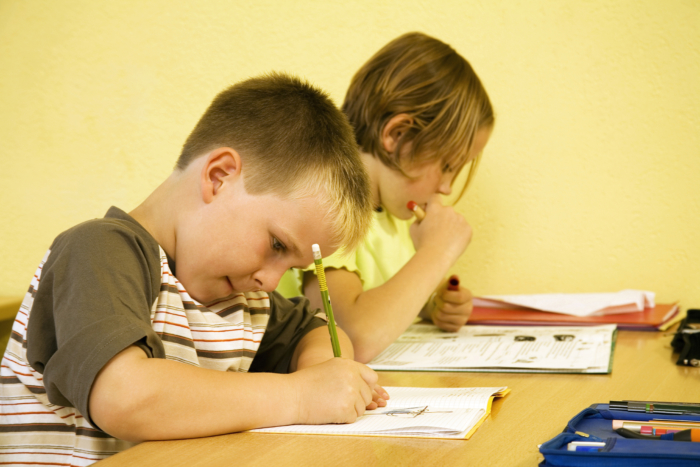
[315, 347]
[197, 402]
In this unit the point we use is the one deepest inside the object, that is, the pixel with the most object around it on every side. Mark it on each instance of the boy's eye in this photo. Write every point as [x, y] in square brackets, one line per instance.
[446, 168]
[277, 245]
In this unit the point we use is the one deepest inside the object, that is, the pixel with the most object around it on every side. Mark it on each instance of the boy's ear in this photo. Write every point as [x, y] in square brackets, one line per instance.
[394, 129]
[221, 168]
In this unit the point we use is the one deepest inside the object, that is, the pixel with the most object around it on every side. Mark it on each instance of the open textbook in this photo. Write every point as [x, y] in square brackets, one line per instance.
[528, 349]
[415, 412]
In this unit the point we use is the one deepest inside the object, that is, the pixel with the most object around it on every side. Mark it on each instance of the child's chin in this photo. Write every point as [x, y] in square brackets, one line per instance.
[404, 215]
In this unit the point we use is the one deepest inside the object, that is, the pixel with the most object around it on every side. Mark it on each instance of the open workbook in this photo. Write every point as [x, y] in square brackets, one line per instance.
[415, 412]
[528, 349]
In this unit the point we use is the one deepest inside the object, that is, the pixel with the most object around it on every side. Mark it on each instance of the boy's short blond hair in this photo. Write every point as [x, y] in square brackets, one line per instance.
[426, 79]
[293, 142]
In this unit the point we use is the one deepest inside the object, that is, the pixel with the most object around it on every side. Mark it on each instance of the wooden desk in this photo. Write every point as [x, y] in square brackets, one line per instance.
[535, 411]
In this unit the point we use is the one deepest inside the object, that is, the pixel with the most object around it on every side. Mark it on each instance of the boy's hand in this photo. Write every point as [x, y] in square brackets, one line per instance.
[452, 308]
[337, 391]
[443, 231]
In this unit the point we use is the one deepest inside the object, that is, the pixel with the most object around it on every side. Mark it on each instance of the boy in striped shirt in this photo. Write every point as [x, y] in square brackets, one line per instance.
[162, 323]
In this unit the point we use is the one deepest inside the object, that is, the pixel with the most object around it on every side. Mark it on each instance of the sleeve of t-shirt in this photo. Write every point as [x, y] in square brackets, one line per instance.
[290, 320]
[93, 301]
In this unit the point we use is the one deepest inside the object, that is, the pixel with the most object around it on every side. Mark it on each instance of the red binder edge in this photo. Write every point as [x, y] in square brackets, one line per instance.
[651, 319]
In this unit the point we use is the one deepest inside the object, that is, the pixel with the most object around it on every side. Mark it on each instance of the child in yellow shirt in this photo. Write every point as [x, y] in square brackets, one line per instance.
[420, 116]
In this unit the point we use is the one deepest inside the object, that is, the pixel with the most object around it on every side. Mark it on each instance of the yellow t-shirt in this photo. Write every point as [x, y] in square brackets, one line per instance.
[386, 249]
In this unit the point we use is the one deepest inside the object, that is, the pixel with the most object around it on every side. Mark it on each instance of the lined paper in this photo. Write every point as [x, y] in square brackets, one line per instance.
[432, 412]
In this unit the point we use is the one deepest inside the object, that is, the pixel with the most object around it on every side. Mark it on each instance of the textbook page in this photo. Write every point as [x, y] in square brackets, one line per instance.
[414, 412]
[570, 349]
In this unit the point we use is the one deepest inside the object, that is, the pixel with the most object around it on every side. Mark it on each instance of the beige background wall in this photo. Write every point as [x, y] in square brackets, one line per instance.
[589, 183]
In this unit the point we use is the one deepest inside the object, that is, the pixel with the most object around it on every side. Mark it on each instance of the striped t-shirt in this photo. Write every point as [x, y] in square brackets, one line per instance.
[105, 285]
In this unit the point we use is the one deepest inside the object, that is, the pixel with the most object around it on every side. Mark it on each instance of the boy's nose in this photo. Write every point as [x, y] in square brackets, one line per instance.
[268, 280]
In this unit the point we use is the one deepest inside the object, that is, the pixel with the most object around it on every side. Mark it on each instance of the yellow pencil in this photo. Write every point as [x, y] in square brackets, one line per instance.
[321, 274]
[417, 210]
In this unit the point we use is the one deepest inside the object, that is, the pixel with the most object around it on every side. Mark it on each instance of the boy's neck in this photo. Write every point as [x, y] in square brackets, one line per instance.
[159, 212]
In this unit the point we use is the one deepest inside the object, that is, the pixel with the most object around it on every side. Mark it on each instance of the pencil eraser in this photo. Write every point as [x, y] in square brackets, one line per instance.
[617, 424]
[646, 430]
[412, 205]
[316, 250]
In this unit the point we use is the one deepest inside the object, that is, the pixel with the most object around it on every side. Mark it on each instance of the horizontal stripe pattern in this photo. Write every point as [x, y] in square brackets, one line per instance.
[224, 336]
[33, 431]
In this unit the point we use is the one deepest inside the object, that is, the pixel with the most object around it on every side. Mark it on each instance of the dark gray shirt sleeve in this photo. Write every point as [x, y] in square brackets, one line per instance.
[94, 300]
[290, 320]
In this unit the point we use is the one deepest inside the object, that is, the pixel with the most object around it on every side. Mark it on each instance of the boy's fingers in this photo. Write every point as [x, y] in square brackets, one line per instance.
[377, 397]
[366, 394]
[368, 374]
[360, 407]
[382, 392]
[377, 401]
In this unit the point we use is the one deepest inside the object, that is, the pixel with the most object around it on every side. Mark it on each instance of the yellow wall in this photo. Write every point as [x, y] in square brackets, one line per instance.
[589, 183]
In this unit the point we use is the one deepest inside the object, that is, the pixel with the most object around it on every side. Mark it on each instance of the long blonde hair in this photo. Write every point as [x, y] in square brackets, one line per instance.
[437, 88]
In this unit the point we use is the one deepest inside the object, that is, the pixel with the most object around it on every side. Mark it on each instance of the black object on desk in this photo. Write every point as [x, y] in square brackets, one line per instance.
[687, 340]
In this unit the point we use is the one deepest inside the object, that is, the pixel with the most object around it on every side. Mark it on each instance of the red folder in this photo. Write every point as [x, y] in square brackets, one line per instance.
[651, 319]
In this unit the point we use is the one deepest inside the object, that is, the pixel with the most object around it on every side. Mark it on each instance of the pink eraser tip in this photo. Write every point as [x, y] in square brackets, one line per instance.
[412, 205]
[617, 424]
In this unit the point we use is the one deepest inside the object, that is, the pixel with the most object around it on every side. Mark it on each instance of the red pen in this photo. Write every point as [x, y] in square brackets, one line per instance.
[453, 282]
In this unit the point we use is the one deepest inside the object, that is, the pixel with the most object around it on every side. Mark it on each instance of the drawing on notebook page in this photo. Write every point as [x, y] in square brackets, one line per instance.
[409, 412]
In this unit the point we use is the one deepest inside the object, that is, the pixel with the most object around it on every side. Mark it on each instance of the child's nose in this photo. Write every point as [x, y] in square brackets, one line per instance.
[445, 187]
[268, 280]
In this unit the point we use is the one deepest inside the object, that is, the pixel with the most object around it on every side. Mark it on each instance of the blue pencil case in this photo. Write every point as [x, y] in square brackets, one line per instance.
[596, 422]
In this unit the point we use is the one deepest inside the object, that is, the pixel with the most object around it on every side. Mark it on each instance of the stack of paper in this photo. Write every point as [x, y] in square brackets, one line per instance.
[415, 412]
[586, 304]
[550, 349]
[659, 318]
